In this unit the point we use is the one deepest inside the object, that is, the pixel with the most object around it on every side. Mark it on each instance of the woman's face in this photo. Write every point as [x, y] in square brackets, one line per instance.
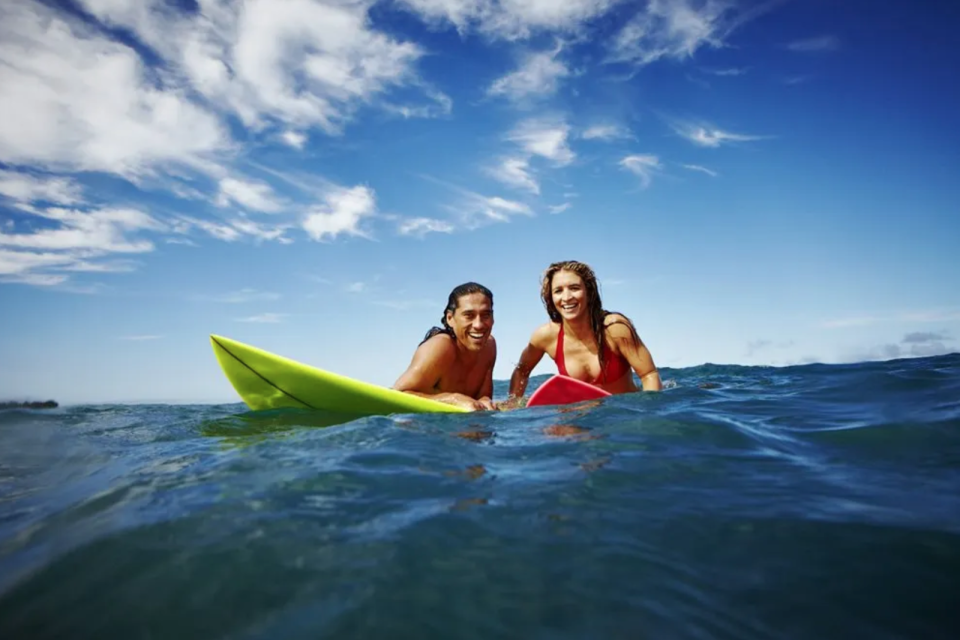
[569, 294]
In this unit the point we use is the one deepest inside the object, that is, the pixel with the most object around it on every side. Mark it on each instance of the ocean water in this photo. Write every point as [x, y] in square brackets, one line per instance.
[742, 502]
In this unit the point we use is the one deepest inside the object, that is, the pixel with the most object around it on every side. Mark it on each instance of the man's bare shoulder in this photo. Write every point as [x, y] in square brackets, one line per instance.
[440, 347]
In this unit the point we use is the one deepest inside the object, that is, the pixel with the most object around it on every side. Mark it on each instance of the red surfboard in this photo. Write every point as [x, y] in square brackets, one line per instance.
[564, 390]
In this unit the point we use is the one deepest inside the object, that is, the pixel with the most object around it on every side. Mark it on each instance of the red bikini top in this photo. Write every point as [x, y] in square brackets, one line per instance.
[615, 366]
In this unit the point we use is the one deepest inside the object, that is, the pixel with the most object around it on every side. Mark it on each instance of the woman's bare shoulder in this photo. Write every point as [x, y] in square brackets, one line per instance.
[544, 334]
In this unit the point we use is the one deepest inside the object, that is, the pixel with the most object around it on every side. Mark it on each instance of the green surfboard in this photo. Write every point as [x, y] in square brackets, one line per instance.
[266, 380]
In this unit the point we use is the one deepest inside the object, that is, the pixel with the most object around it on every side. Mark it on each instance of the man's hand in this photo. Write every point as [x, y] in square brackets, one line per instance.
[465, 401]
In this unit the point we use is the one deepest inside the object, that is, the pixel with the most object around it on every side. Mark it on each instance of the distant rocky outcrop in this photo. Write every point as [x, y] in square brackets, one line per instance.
[47, 404]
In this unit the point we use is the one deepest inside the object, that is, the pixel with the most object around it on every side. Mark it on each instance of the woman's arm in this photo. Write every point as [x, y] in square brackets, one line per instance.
[529, 358]
[625, 340]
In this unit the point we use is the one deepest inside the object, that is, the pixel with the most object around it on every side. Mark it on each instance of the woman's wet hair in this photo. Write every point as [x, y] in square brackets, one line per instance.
[453, 301]
[595, 309]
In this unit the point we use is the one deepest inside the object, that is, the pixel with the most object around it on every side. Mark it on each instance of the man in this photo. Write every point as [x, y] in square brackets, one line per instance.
[454, 363]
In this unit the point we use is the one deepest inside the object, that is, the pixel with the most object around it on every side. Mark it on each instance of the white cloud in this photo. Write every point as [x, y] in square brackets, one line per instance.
[421, 226]
[262, 231]
[475, 210]
[298, 62]
[733, 71]
[605, 132]
[35, 279]
[546, 137]
[341, 213]
[294, 138]
[905, 317]
[696, 167]
[23, 263]
[23, 187]
[73, 240]
[538, 76]
[560, 208]
[440, 106]
[257, 196]
[705, 135]
[642, 165]
[673, 29]
[515, 172]
[509, 19]
[405, 304]
[815, 45]
[245, 295]
[356, 287]
[264, 318]
[74, 100]
[219, 230]
[100, 231]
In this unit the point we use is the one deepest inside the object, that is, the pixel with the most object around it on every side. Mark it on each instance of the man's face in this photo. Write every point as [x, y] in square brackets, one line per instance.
[472, 320]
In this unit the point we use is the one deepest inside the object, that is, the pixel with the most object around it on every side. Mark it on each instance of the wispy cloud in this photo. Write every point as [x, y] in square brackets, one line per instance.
[515, 172]
[27, 188]
[757, 346]
[559, 208]
[295, 139]
[420, 227]
[546, 137]
[696, 167]
[605, 132]
[244, 296]
[794, 80]
[355, 287]
[916, 316]
[644, 166]
[404, 304]
[267, 318]
[728, 72]
[473, 210]
[815, 45]
[855, 321]
[538, 76]
[509, 19]
[257, 196]
[299, 63]
[77, 100]
[707, 135]
[71, 239]
[677, 29]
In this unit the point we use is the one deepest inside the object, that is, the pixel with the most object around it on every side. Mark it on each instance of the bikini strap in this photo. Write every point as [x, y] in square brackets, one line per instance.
[561, 366]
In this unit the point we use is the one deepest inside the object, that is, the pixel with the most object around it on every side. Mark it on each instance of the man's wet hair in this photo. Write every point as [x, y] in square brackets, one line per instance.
[453, 301]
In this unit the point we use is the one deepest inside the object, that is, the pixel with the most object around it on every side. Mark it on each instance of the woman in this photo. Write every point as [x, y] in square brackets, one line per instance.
[587, 342]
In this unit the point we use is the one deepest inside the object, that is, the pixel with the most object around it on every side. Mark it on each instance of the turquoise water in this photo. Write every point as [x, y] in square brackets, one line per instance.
[742, 502]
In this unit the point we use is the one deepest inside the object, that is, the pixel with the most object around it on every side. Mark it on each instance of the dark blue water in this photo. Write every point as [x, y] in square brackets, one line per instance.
[742, 502]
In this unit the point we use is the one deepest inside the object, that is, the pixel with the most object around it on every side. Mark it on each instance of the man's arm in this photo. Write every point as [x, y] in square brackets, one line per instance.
[486, 391]
[429, 362]
[636, 354]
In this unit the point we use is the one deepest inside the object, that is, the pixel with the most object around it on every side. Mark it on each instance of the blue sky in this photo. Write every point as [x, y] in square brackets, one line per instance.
[754, 183]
